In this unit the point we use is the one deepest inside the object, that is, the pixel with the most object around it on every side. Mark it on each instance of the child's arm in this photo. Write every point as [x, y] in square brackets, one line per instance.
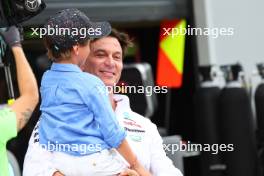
[112, 133]
[125, 150]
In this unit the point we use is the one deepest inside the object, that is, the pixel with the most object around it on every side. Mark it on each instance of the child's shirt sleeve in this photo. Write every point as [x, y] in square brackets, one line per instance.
[98, 100]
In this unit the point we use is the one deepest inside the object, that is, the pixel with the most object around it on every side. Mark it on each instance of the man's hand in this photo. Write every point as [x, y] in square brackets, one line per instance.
[57, 174]
[129, 172]
[11, 36]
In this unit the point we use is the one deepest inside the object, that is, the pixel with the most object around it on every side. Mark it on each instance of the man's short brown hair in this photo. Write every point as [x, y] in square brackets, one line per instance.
[123, 39]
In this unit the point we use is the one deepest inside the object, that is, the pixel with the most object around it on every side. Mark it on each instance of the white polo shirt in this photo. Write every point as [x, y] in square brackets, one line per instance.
[142, 135]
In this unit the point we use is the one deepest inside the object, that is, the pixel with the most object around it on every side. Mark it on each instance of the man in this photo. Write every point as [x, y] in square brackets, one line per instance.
[106, 62]
[77, 117]
[14, 117]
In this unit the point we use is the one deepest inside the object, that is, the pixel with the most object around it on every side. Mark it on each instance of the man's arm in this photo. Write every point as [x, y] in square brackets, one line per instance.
[28, 99]
[160, 164]
[28, 89]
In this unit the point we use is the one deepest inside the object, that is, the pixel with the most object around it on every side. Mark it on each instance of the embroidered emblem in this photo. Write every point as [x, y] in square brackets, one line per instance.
[135, 138]
[134, 130]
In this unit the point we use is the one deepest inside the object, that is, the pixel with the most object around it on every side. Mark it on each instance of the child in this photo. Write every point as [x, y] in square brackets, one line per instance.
[77, 121]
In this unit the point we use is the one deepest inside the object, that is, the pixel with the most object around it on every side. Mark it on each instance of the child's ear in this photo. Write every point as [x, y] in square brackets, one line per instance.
[75, 49]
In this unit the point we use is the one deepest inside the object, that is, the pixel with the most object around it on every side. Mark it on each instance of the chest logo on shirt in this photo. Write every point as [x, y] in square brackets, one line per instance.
[126, 116]
[135, 138]
[132, 123]
[134, 130]
[129, 121]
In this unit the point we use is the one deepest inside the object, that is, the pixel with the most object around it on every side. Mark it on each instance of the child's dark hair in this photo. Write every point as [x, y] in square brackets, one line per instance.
[56, 54]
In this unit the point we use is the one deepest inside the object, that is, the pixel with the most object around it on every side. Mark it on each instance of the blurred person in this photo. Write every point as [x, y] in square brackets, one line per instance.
[14, 117]
[77, 121]
[106, 62]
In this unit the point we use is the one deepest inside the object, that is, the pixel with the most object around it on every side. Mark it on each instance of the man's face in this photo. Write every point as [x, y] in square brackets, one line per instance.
[105, 60]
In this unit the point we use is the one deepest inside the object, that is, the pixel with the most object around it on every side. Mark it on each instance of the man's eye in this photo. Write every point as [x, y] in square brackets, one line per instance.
[100, 55]
[117, 58]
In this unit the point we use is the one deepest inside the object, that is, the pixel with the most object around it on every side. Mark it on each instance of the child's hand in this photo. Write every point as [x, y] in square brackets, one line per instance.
[141, 170]
[129, 172]
[57, 174]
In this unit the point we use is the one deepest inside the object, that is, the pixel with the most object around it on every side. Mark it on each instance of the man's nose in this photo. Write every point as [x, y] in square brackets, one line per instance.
[109, 62]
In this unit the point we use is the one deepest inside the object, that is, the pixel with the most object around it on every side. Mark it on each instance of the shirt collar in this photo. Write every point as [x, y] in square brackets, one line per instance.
[65, 67]
[122, 102]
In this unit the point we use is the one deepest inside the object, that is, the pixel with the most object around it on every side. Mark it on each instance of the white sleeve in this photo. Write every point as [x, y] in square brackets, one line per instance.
[160, 164]
[37, 160]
